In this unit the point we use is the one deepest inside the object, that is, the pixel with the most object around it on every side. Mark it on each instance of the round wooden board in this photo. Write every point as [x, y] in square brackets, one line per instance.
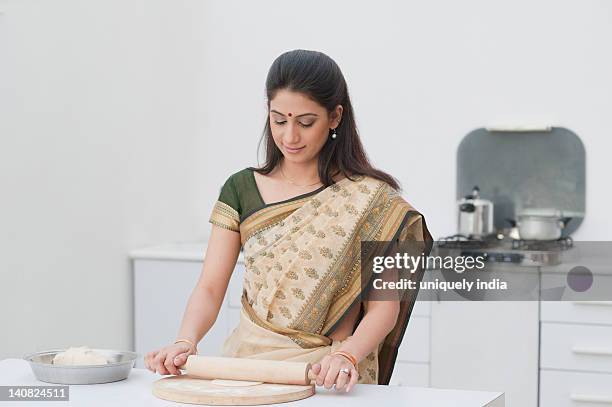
[186, 389]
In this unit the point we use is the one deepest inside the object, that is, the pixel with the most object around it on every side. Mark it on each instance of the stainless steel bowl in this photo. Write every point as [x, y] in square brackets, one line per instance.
[119, 365]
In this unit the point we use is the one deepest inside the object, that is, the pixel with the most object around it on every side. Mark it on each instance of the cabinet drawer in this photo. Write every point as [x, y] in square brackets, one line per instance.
[410, 374]
[576, 347]
[585, 312]
[415, 345]
[565, 389]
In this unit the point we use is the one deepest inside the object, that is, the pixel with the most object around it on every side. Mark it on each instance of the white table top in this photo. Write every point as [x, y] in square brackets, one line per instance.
[136, 391]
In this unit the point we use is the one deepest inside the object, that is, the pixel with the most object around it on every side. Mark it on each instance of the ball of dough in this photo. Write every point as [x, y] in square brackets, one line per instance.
[79, 356]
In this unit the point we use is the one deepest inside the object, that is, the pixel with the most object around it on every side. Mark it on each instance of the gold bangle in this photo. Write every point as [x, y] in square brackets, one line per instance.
[352, 359]
[188, 342]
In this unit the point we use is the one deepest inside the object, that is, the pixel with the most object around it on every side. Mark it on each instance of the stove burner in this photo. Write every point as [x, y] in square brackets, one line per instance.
[466, 242]
[497, 257]
[562, 243]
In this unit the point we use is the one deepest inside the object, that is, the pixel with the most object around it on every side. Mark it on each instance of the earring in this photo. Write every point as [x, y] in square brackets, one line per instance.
[334, 135]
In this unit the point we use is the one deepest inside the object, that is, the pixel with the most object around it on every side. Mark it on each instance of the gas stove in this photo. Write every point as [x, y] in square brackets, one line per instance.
[501, 249]
[563, 243]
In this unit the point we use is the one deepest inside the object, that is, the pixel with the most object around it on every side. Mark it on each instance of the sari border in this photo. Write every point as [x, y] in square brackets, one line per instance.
[390, 223]
[267, 217]
[346, 253]
[265, 205]
[276, 212]
[389, 348]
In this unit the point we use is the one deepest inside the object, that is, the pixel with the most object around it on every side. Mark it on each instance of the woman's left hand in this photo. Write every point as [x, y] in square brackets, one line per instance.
[328, 373]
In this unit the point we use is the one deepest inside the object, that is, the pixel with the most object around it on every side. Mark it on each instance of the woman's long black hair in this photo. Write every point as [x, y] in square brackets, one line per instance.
[319, 77]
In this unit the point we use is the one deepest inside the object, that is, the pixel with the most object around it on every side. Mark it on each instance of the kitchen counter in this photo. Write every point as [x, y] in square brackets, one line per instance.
[136, 391]
[185, 251]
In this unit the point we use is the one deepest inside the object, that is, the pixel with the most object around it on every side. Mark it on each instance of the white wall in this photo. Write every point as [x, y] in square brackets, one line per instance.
[119, 121]
[422, 75]
[98, 132]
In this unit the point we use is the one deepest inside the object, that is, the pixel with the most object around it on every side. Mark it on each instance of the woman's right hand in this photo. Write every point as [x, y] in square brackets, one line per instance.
[168, 359]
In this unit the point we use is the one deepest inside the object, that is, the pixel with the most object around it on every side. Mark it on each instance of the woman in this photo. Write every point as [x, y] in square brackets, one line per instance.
[300, 220]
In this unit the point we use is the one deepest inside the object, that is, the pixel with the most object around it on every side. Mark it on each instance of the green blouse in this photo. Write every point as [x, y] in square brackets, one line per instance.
[239, 198]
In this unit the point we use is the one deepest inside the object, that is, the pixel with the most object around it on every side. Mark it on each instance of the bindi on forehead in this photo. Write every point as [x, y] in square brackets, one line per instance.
[291, 114]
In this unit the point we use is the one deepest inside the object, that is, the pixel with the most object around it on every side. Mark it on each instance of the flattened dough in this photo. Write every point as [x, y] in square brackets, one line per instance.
[234, 383]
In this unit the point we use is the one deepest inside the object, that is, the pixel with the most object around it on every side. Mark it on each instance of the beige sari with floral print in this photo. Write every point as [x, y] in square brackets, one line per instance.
[303, 272]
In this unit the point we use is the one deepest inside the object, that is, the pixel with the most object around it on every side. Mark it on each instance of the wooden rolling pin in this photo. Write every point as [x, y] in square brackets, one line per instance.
[256, 370]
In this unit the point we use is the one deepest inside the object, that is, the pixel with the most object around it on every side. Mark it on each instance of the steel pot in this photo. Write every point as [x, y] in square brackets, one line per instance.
[541, 224]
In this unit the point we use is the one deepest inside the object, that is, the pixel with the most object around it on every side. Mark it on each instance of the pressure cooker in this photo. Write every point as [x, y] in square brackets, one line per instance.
[475, 215]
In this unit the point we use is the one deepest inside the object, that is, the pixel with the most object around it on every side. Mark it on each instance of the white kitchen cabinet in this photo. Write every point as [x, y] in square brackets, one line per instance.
[161, 291]
[415, 344]
[412, 363]
[576, 349]
[421, 308]
[486, 345]
[576, 354]
[164, 277]
[575, 389]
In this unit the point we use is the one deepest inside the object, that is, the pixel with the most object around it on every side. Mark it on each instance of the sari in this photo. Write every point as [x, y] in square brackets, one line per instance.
[303, 271]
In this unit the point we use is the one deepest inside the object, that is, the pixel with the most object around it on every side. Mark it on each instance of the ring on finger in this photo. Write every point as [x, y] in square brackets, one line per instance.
[345, 370]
